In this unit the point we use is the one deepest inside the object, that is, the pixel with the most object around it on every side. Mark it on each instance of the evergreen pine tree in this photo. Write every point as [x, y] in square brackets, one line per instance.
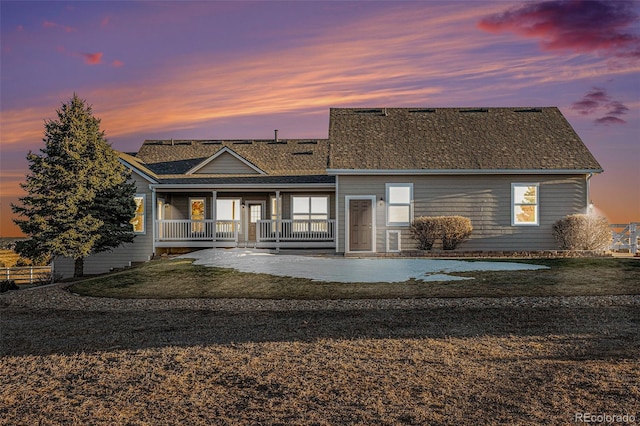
[80, 199]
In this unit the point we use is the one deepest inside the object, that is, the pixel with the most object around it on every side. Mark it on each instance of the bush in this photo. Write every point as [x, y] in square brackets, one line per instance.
[452, 230]
[582, 232]
[425, 230]
[6, 285]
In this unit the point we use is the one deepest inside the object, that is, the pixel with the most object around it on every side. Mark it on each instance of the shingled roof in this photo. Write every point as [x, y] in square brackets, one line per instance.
[172, 159]
[455, 139]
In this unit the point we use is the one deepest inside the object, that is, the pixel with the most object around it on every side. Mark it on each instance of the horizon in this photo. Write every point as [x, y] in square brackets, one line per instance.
[239, 70]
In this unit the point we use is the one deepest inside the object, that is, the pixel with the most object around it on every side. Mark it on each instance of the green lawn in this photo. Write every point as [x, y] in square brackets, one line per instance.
[179, 278]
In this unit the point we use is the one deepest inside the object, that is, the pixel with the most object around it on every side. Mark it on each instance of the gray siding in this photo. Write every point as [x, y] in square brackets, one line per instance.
[140, 250]
[226, 164]
[486, 200]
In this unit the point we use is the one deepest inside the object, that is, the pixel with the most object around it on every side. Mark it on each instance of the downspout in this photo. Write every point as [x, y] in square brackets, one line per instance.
[588, 192]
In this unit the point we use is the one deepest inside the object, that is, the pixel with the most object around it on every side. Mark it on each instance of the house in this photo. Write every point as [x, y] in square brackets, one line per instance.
[512, 171]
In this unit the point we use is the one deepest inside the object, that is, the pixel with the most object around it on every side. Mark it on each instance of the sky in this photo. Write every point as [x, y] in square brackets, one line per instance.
[239, 70]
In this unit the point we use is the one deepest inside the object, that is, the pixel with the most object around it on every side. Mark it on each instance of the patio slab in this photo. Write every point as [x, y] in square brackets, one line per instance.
[346, 270]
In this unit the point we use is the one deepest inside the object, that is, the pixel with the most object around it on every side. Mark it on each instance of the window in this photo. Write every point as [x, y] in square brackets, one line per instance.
[399, 197]
[227, 216]
[196, 214]
[138, 219]
[525, 203]
[228, 209]
[310, 209]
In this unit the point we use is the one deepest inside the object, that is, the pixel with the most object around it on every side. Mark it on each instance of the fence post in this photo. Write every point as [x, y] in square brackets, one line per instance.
[31, 274]
[633, 238]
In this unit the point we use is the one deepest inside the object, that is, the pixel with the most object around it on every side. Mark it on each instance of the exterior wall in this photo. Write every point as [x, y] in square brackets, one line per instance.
[140, 250]
[226, 164]
[485, 199]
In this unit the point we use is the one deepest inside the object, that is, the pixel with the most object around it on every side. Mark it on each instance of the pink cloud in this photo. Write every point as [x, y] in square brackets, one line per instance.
[92, 58]
[598, 99]
[105, 21]
[578, 25]
[65, 28]
[117, 63]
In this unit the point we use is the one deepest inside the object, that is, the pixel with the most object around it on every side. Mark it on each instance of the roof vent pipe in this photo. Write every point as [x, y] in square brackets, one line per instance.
[275, 137]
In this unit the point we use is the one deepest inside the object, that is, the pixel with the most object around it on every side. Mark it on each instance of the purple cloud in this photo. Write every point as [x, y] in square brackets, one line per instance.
[578, 25]
[598, 99]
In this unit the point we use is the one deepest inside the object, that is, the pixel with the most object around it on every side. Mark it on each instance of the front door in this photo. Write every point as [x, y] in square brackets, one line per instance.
[255, 214]
[360, 225]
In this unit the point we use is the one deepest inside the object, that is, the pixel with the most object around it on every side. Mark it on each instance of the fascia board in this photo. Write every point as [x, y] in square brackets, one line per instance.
[461, 171]
[138, 171]
[243, 186]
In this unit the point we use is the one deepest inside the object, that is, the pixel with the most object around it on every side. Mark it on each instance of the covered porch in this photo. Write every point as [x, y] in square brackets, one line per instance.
[291, 217]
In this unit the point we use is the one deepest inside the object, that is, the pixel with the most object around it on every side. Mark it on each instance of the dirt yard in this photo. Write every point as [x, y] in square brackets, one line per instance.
[140, 363]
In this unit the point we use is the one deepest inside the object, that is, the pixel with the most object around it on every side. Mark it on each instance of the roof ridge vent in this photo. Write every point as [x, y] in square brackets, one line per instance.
[242, 142]
[528, 110]
[420, 110]
[302, 153]
[474, 110]
[308, 143]
[377, 111]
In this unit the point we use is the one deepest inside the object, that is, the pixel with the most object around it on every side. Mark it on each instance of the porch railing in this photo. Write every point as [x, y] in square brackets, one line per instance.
[228, 230]
[296, 230]
[197, 230]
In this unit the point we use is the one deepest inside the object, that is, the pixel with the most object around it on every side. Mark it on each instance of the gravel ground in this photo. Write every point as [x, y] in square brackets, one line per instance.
[58, 297]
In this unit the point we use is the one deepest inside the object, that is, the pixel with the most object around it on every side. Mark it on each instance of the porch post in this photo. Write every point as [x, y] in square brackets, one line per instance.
[154, 218]
[278, 220]
[214, 214]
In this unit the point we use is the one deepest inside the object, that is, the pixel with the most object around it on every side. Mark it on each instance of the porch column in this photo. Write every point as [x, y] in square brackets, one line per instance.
[214, 214]
[278, 220]
[154, 218]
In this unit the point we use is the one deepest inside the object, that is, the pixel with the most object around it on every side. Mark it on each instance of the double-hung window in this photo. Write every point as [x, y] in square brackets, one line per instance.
[138, 219]
[399, 198]
[310, 213]
[525, 204]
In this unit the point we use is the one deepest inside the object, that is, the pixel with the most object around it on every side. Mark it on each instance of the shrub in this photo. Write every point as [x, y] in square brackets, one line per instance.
[425, 230]
[582, 232]
[6, 285]
[452, 230]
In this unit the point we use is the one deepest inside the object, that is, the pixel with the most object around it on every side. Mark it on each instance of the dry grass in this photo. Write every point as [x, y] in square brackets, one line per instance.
[168, 279]
[437, 366]
[8, 258]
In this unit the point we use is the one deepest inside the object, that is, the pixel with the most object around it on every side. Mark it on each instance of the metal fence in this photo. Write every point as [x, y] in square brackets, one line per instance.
[27, 274]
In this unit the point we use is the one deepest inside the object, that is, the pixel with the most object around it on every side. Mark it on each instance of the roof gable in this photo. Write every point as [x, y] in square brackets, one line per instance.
[203, 158]
[225, 161]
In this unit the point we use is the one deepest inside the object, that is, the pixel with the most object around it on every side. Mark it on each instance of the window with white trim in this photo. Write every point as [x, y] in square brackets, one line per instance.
[525, 204]
[399, 198]
[197, 214]
[138, 222]
[309, 213]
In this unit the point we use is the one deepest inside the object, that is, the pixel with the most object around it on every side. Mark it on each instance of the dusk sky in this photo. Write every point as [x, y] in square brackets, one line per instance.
[215, 70]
